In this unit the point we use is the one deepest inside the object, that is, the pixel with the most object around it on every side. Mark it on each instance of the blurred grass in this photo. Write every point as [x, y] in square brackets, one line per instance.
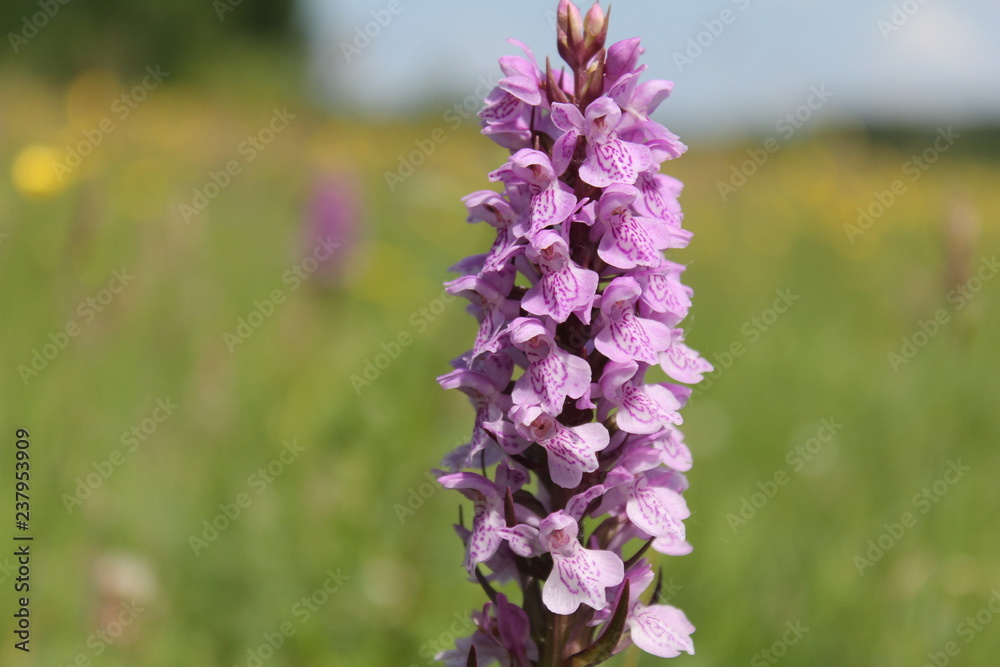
[337, 506]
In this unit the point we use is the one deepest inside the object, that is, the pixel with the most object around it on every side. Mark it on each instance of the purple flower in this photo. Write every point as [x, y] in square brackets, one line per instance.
[637, 100]
[523, 79]
[571, 451]
[332, 222]
[575, 302]
[564, 287]
[502, 635]
[509, 114]
[579, 575]
[633, 240]
[490, 304]
[626, 337]
[552, 375]
[609, 159]
[663, 292]
[658, 629]
[622, 60]
[681, 362]
[506, 120]
[669, 442]
[488, 206]
[658, 199]
[642, 408]
[487, 516]
[545, 200]
[651, 497]
[484, 388]
[661, 630]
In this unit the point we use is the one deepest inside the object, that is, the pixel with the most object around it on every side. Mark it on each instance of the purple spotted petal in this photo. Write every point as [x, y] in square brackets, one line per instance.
[564, 287]
[663, 292]
[522, 79]
[501, 107]
[624, 336]
[563, 151]
[684, 364]
[490, 207]
[658, 197]
[523, 540]
[656, 509]
[663, 144]
[563, 292]
[627, 338]
[548, 382]
[487, 517]
[550, 206]
[506, 435]
[673, 451]
[577, 505]
[567, 117]
[628, 243]
[616, 161]
[642, 408]
[670, 545]
[573, 451]
[582, 578]
[646, 409]
[661, 630]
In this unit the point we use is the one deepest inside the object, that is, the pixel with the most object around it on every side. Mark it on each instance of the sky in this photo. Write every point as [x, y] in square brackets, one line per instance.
[738, 65]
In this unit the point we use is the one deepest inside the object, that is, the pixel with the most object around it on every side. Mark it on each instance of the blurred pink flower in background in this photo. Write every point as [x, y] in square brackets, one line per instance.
[126, 586]
[332, 222]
